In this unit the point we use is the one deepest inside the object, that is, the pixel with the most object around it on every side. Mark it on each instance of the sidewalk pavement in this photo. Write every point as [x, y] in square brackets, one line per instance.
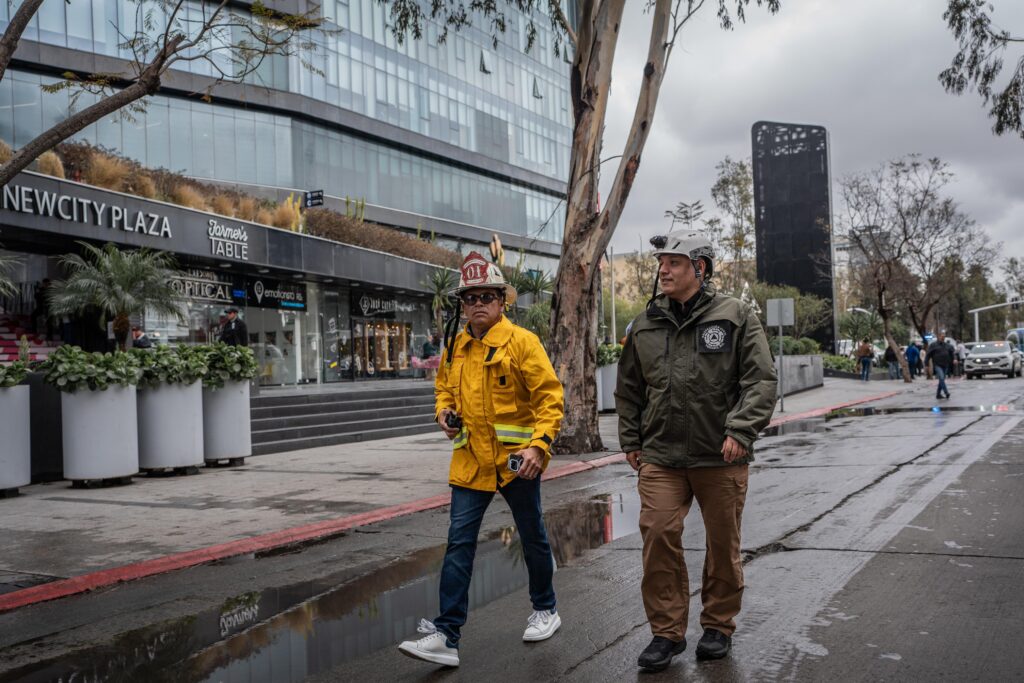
[157, 524]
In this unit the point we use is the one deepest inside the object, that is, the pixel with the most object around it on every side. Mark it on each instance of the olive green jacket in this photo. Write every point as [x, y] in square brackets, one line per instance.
[683, 388]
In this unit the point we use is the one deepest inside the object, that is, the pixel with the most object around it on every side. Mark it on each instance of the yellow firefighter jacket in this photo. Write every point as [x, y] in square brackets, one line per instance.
[509, 398]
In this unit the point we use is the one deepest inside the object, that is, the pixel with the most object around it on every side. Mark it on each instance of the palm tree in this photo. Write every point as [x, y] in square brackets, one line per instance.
[119, 283]
[441, 282]
[7, 263]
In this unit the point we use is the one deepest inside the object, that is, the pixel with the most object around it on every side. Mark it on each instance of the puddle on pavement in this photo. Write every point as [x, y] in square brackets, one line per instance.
[820, 424]
[289, 633]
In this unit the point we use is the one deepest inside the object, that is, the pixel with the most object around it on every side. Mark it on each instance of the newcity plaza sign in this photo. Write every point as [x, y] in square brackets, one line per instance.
[226, 241]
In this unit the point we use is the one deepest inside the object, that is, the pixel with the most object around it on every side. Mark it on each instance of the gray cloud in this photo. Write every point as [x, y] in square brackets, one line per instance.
[867, 71]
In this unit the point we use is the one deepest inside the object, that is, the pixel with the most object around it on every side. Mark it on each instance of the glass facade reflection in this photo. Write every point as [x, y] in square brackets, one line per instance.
[499, 102]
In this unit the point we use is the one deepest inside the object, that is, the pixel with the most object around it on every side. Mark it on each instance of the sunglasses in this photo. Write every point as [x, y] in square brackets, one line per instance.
[485, 299]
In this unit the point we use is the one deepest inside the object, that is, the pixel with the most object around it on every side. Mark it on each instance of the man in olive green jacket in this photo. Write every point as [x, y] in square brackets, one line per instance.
[696, 385]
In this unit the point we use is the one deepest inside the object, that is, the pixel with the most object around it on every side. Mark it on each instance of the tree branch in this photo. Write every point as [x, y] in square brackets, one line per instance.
[9, 42]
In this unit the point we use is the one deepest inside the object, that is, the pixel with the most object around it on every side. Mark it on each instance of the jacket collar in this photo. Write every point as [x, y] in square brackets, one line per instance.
[496, 336]
[660, 307]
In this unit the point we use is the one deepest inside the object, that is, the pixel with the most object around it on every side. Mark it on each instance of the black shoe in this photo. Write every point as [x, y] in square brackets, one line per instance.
[947, 395]
[659, 653]
[713, 644]
[938, 397]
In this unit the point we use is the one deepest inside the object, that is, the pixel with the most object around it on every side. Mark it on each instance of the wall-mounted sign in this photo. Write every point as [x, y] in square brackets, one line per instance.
[379, 306]
[265, 293]
[67, 207]
[227, 241]
[203, 285]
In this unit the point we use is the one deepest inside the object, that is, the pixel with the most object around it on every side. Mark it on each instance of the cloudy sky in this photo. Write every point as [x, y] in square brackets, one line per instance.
[865, 70]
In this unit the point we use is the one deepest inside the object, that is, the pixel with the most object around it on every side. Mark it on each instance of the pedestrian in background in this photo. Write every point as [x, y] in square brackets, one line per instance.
[234, 331]
[940, 355]
[961, 358]
[696, 384]
[500, 402]
[865, 355]
[894, 364]
[912, 355]
[140, 340]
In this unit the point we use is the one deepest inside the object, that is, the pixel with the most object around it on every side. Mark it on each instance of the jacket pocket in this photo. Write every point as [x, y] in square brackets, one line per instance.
[707, 422]
[652, 347]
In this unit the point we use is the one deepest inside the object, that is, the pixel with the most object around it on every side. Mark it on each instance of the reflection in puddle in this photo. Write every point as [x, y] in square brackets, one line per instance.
[287, 634]
[820, 424]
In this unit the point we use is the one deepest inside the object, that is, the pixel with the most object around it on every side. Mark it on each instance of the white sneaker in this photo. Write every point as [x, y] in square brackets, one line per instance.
[431, 648]
[541, 625]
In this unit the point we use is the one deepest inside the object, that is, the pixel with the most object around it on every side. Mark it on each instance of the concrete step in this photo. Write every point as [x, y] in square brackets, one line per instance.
[262, 424]
[287, 433]
[348, 402]
[283, 445]
[310, 398]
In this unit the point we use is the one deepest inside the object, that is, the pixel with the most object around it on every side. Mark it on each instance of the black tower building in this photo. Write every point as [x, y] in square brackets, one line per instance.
[793, 211]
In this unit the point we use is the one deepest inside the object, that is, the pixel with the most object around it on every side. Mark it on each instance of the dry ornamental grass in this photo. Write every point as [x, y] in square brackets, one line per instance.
[106, 171]
[223, 204]
[50, 164]
[185, 195]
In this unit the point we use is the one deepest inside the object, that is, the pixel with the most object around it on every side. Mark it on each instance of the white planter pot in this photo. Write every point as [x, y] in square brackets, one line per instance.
[227, 432]
[607, 379]
[15, 445]
[100, 433]
[171, 426]
[600, 395]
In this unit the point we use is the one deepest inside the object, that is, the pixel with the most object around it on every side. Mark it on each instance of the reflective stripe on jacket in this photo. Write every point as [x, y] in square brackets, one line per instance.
[509, 398]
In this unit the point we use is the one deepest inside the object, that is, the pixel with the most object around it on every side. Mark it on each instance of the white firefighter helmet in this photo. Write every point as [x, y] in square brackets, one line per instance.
[689, 243]
[477, 272]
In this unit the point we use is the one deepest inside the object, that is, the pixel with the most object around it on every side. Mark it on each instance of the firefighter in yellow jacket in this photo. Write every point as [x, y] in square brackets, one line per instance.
[500, 402]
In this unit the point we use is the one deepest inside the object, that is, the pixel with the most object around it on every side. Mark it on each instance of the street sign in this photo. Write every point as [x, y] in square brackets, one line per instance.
[312, 198]
[780, 312]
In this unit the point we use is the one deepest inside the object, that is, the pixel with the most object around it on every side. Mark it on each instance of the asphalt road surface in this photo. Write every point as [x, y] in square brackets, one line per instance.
[880, 544]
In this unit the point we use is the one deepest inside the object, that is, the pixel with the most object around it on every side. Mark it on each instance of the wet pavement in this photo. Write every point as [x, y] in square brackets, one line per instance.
[879, 544]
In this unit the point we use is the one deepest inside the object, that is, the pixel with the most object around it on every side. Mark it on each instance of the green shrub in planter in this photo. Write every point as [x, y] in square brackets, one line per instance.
[12, 375]
[608, 354]
[228, 364]
[69, 368]
[841, 363]
[165, 365]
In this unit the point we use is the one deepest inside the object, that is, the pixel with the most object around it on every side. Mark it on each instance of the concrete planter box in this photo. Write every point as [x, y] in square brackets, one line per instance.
[15, 446]
[607, 377]
[100, 433]
[227, 429]
[171, 426]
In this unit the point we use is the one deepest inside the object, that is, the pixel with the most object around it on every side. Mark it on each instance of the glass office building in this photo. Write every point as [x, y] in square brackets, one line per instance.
[462, 139]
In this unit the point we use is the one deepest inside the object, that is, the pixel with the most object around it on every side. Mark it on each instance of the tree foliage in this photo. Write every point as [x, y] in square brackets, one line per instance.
[733, 232]
[810, 311]
[908, 239]
[979, 61]
[119, 283]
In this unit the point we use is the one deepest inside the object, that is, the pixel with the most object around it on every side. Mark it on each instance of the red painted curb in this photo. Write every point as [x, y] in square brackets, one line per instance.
[306, 532]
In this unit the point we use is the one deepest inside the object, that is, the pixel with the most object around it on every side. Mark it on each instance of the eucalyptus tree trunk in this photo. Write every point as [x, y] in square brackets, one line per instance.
[588, 228]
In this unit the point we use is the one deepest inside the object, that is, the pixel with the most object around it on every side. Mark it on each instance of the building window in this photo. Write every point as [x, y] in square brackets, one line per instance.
[536, 90]
[485, 66]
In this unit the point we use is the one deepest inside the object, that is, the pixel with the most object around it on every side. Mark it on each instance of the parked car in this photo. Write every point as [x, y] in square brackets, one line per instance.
[993, 358]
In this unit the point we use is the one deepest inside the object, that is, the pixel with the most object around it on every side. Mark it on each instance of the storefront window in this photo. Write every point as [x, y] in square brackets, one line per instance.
[387, 331]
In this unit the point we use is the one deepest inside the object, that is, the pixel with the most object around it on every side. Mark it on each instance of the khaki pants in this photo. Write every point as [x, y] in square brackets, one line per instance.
[665, 497]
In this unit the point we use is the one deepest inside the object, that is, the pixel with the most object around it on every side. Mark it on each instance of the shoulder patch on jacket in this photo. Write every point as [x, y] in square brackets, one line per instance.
[715, 336]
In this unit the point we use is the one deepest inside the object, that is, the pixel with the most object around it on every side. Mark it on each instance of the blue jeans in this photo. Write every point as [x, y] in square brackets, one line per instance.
[865, 369]
[894, 369]
[467, 512]
[940, 374]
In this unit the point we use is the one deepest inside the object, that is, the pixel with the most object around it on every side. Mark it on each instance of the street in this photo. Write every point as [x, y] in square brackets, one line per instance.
[883, 542]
